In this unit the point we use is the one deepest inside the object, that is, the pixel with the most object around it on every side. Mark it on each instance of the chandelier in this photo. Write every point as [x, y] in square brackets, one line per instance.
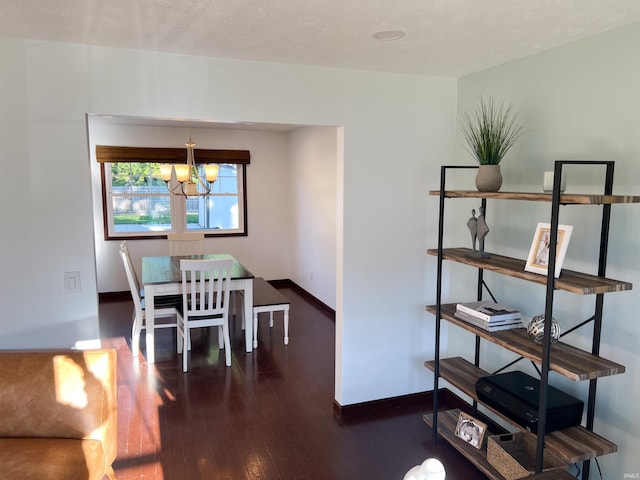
[187, 177]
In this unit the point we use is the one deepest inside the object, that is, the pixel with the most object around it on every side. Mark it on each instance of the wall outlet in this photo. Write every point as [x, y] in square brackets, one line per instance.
[71, 282]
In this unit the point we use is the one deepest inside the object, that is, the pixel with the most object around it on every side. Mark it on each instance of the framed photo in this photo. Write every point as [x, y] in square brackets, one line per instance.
[470, 430]
[538, 259]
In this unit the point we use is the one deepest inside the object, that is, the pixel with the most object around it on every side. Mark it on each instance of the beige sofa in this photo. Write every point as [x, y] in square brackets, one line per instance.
[57, 414]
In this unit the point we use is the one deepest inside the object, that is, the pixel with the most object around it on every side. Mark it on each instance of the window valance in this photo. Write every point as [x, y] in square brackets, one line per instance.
[112, 154]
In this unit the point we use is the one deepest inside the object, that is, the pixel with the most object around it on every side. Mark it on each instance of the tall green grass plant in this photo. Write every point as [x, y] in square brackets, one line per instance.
[490, 130]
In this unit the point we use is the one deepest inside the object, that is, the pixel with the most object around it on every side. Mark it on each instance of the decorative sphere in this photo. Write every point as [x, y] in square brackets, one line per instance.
[536, 329]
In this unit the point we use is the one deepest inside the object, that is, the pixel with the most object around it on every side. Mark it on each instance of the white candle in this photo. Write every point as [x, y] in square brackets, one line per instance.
[547, 184]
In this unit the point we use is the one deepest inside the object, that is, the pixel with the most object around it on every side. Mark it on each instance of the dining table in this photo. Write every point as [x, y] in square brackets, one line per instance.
[161, 276]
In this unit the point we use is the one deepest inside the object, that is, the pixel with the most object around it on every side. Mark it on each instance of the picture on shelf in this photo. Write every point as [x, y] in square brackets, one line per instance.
[470, 430]
[538, 259]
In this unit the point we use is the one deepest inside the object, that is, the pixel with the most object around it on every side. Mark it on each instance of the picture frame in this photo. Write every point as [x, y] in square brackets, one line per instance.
[537, 261]
[470, 430]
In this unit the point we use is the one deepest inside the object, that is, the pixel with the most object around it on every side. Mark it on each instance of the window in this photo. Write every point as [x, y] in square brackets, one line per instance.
[137, 203]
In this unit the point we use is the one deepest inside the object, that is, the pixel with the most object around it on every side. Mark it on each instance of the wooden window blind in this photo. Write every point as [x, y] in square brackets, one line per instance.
[113, 154]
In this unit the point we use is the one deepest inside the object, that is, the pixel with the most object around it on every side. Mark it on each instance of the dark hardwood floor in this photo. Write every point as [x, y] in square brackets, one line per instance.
[269, 416]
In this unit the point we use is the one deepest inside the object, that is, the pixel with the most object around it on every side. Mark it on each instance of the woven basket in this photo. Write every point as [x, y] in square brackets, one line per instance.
[514, 455]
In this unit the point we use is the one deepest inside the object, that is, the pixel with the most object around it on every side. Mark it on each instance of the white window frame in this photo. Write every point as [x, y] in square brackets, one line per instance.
[178, 210]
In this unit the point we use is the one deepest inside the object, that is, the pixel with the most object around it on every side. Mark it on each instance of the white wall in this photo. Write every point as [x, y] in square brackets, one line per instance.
[581, 102]
[397, 129]
[45, 198]
[314, 202]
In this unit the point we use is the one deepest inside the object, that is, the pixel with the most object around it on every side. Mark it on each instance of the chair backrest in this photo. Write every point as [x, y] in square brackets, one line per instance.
[125, 247]
[132, 278]
[206, 287]
[190, 243]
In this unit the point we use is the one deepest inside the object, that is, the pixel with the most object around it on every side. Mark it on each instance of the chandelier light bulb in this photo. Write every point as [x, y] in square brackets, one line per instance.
[165, 171]
[182, 172]
[211, 172]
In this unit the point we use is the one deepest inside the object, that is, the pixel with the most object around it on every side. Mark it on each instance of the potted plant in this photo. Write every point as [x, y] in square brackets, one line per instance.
[490, 130]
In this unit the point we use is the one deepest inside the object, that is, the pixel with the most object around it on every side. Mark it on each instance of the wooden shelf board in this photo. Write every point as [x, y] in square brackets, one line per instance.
[574, 444]
[569, 280]
[566, 360]
[565, 198]
[553, 475]
[447, 421]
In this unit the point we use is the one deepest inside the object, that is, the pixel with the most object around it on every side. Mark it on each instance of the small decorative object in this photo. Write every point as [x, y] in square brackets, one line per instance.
[536, 329]
[479, 229]
[470, 430]
[490, 130]
[430, 469]
[514, 455]
[489, 178]
[538, 259]
[547, 183]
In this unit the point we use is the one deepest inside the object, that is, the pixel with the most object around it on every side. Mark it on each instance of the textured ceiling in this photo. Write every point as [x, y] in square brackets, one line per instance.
[443, 37]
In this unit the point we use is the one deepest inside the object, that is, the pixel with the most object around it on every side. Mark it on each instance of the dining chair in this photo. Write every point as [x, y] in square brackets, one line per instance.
[165, 306]
[125, 246]
[205, 303]
[192, 243]
[189, 243]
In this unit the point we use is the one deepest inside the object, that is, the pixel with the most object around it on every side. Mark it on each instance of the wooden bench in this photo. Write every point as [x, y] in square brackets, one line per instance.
[268, 299]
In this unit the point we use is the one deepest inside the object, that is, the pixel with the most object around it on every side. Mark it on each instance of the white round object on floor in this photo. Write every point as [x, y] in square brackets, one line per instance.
[433, 469]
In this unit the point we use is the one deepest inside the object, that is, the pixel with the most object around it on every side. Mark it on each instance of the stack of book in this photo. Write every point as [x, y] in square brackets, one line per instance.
[489, 315]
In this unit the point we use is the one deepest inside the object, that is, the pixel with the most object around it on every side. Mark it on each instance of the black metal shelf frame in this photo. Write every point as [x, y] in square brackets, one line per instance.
[550, 288]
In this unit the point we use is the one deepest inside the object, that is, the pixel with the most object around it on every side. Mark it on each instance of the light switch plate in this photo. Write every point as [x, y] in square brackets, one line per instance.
[71, 282]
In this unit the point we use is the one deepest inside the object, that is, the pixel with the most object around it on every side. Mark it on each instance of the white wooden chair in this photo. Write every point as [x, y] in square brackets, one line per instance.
[189, 243]
[165, 307]
[267, 299]
[205, 303]
[124, 246]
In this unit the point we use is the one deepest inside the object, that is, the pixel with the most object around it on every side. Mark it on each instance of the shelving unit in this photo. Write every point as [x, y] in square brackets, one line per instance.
[575, 444]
